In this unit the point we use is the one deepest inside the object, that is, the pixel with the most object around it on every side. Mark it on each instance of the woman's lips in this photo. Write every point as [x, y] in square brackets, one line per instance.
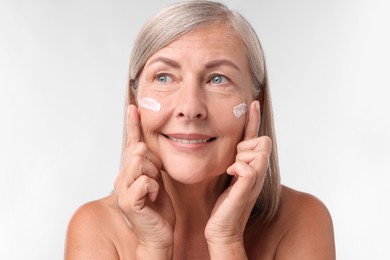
[189, 138]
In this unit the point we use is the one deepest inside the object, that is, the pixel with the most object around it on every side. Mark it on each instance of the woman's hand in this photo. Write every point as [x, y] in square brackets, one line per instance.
[141, 196]
[225, 228]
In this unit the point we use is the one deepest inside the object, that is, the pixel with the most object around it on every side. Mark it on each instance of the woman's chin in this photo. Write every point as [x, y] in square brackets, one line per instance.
[191, 177]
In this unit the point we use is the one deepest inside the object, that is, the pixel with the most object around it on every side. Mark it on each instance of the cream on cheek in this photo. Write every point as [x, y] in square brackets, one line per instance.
[153, 105]
[239, 110]
[149, 103]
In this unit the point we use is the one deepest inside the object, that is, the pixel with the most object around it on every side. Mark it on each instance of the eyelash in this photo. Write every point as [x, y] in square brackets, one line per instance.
[168, 76]
[227, 80]
[158, 76]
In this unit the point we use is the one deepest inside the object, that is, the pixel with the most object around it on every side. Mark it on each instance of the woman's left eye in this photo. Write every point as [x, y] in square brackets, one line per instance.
[219, 79]
[163, 78]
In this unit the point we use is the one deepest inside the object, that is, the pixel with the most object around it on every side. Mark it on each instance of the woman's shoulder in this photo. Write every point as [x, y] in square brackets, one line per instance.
[306, 227]
[91, 215]
[301, 229]
[96, 230]
[298, 206]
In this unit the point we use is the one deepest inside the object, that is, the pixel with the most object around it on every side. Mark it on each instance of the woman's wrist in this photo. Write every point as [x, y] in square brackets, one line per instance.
[228, 251]
[143, 252]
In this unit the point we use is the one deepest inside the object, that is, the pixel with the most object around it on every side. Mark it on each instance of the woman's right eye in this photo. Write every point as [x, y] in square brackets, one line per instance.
[164, 78]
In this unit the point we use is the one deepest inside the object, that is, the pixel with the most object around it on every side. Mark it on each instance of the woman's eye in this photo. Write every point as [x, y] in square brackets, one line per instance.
[219, 79]
[163, 78]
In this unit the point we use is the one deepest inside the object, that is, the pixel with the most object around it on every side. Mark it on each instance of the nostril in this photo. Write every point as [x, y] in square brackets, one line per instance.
[191, 109]
[199, 116]
[190, 116]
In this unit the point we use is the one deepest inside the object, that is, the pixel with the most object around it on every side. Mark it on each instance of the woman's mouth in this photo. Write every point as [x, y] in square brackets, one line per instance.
[189, 139]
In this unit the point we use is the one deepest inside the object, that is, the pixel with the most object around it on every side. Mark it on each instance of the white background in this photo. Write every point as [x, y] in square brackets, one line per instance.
[63, 72]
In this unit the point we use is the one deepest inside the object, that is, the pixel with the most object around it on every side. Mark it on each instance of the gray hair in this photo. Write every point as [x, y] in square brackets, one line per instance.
[178, 19]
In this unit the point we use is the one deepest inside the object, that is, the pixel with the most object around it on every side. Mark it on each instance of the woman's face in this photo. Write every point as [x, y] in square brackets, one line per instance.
[197, 80]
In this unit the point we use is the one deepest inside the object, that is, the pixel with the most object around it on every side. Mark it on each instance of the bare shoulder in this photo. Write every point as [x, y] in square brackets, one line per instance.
[302, 205]
[308, 228]
[301, 229]
[94, 230]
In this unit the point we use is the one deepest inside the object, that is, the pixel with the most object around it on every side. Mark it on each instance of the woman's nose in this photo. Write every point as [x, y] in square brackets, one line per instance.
[191, 103]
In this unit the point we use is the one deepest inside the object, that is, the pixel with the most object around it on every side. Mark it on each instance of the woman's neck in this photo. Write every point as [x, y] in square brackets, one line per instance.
[193, 203]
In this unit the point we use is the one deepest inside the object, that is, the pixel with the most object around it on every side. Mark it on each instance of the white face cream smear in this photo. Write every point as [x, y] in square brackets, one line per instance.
[239, 110]
[149, 103]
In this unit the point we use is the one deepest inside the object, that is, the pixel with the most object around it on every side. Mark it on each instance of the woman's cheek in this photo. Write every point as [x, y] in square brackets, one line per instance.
[230, 119]
[152, 115]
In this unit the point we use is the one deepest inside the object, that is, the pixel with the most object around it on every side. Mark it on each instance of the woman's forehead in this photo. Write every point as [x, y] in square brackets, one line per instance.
[217, 34]
[215, 41]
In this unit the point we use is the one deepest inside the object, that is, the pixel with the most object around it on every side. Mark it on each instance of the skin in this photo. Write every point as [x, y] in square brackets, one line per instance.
[172, 193]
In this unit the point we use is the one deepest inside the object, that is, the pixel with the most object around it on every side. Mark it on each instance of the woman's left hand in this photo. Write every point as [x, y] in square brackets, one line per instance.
[232, 210]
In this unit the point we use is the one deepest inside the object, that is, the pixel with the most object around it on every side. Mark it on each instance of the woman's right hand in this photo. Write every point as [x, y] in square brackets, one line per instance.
[140, 193]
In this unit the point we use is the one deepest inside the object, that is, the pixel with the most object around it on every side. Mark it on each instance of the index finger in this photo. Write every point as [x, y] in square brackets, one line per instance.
[133, 126]
[253, 124]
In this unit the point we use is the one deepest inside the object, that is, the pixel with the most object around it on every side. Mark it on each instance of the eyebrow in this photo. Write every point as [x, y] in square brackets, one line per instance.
[220, 62]
[209, 65]
[167, 61]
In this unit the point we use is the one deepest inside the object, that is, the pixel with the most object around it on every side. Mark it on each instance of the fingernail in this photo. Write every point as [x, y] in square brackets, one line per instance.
[257, 105]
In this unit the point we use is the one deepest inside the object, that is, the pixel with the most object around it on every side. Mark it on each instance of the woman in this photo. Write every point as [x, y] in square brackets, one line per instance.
[199, 176]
